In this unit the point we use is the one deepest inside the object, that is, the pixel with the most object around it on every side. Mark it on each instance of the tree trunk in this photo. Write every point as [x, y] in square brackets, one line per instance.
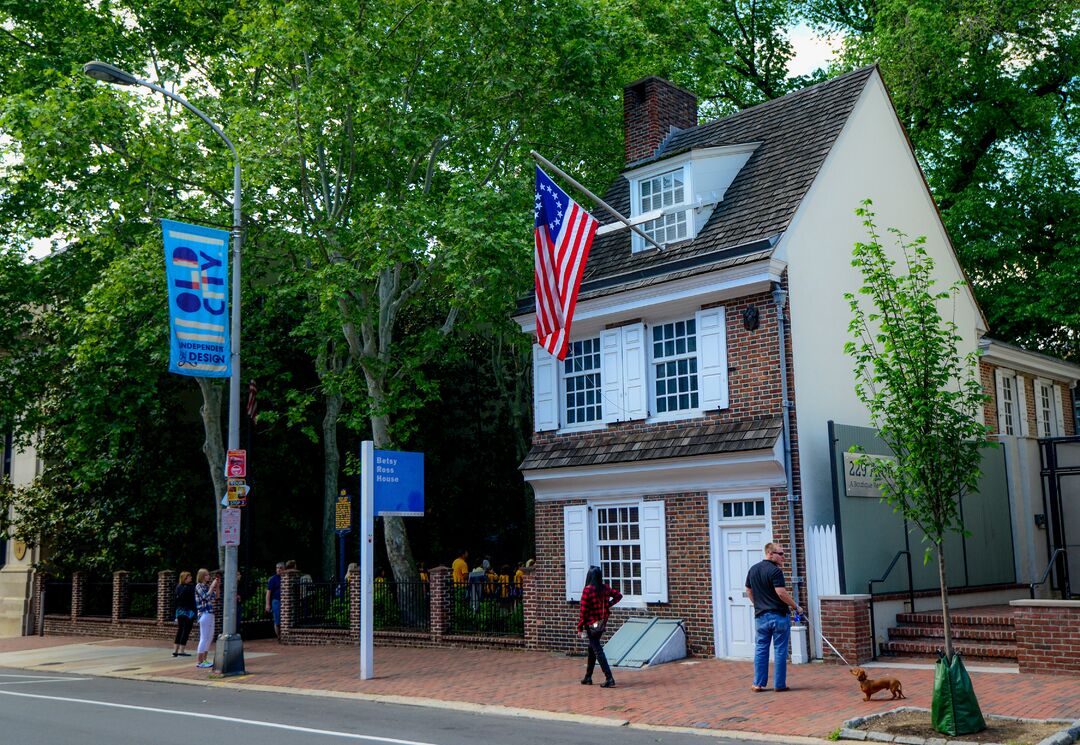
[944, 601]
[331, 467]
[214, 450]
[398, 550]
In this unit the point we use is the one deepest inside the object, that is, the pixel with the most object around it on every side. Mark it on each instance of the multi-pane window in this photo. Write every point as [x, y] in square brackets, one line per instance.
[666, 190]
[581, 374]
[743, 509]
[1008, 403]
[618, 531]
[1047, 411]
[675, 365]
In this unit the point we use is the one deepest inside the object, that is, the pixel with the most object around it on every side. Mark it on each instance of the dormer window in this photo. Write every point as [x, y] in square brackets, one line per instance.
[661, 207]
[657, 193]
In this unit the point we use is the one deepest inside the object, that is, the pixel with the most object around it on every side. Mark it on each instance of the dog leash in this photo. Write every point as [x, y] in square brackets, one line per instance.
[823, 638]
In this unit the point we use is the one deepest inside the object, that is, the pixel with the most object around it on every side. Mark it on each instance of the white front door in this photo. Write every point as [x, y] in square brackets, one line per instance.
[740, 548]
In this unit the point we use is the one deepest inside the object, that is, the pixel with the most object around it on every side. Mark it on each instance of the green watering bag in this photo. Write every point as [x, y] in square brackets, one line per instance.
[954, 710]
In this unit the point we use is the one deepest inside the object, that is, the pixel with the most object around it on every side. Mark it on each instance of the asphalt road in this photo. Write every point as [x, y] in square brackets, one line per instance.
[39, 708]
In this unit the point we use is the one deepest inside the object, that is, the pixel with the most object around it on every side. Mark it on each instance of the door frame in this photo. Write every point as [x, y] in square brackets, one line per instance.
[720, 625]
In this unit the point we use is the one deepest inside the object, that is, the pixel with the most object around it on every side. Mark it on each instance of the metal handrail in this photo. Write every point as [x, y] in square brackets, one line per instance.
[1065, 592]
[882, 578]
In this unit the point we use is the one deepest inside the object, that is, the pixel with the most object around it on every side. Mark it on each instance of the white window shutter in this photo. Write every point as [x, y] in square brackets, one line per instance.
[611, 375]
[653, 553]
[1059, 412]
[712, 359]
[576, 548]
[998, 375]
[545, 389]
[635, 379]
[1038, 385]
[1021, 406]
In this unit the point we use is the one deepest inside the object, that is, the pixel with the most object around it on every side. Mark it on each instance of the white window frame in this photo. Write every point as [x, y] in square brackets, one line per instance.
[1012, 420]
[686, 206]
[1049, 409]
[651, 363]
[582, 547]
[563, 413]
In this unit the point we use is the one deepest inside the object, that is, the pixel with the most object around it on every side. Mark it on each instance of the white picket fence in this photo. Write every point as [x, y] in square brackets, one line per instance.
[823, 574]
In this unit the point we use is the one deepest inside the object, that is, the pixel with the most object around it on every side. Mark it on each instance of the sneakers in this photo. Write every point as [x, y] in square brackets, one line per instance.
[204, 665]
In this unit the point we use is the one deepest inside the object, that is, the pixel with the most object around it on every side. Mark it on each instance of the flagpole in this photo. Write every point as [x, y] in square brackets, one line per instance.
[545, 162]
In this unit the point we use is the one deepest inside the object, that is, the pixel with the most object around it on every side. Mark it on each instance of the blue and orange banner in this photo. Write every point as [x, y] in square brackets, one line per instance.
[197, 269]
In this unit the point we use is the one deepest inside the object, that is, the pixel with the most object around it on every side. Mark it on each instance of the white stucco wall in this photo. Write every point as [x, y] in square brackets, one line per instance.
[870, 159]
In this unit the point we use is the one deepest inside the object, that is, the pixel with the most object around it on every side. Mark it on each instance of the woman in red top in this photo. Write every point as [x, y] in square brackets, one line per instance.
[596, 600]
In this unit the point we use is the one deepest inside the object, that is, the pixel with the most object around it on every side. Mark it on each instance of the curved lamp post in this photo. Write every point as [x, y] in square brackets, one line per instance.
[229, 653]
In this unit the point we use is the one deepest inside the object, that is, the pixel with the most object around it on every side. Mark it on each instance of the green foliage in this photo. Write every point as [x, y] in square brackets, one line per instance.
[923, 393]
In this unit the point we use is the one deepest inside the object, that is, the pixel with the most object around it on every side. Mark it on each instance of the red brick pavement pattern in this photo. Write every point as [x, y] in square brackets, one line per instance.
[712, 693]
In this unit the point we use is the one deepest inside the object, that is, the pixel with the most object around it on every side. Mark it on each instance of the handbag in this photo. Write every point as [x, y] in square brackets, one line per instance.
[597, 628]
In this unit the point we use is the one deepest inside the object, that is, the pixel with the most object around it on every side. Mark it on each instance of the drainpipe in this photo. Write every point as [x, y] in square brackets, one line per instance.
[779, 295]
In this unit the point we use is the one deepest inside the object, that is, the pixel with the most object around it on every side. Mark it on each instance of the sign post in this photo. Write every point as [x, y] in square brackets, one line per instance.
[367, 536]
[342, 526]
[391, 483]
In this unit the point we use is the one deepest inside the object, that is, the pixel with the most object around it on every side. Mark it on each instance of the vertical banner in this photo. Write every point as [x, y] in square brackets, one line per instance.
[197, 269]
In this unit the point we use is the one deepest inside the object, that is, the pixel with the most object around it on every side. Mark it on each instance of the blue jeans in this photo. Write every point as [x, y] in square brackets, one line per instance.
[774, 627]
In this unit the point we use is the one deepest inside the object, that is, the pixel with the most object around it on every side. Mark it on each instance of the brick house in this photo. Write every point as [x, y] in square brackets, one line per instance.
[663, 451]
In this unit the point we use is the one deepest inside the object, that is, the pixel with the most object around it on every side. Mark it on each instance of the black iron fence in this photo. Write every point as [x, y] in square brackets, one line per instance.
[253, 620]
[141, 600]
[401, 606]
[57, 598]
[97, 599]
[321, 605]
[485, 608]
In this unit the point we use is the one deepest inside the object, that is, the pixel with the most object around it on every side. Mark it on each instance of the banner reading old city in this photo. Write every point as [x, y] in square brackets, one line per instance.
[197, 268]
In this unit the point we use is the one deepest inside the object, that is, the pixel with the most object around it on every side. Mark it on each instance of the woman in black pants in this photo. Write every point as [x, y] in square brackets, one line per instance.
[596, 600]
[185, 613]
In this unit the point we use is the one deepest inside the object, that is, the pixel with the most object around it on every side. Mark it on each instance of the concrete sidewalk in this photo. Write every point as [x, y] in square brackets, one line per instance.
[696, 693]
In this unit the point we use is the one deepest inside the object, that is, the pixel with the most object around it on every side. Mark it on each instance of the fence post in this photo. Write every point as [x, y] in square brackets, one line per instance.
[352, 577]
[77, 592]
[531, 601]
[119, 594]
[290, 581]
[166, 596]
[439, 584]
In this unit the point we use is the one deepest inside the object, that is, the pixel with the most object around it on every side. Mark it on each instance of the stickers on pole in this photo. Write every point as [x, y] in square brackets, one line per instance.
[230, 527]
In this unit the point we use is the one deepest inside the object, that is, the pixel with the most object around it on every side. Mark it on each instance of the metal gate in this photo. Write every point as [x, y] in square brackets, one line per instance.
[1060, 458]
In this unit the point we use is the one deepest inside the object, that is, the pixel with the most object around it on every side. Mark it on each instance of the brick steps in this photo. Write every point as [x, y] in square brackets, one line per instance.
[977, 634]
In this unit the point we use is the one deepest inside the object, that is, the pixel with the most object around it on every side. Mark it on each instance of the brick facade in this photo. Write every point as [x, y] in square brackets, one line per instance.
[990, 414]
[1047, 635]
[845, 621]
[651, 107]
[754, 391]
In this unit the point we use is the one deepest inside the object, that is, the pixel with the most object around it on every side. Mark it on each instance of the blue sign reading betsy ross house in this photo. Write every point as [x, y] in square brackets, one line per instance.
[399, 483]
[196, 267]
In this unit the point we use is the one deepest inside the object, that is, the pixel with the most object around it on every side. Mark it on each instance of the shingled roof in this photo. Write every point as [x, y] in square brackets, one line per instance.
[796, 132]
[621, 446]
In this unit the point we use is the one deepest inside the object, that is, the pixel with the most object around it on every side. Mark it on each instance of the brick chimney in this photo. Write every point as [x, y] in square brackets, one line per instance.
[651, 107]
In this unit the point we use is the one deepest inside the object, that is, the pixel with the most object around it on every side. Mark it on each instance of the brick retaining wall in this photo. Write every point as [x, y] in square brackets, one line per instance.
[1047, 635]
[845, 621]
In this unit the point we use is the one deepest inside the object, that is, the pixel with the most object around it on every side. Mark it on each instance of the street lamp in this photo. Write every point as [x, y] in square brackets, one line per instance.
[229, 653]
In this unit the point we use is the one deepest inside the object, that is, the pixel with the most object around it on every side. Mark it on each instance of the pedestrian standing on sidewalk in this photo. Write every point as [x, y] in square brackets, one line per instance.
[596, 601]
[771, 601]
[273, 597]
[205, 595]
[185, 613]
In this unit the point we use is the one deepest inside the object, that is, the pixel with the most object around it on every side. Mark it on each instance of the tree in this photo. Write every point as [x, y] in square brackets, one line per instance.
[923, 393]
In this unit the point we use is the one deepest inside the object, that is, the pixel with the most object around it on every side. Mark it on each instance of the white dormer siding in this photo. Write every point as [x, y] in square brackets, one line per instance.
[672, 199]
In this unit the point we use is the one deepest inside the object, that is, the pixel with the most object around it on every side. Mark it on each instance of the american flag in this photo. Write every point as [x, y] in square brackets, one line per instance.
[564, 232]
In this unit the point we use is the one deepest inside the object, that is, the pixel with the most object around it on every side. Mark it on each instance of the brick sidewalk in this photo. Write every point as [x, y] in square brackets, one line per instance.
[713, 694]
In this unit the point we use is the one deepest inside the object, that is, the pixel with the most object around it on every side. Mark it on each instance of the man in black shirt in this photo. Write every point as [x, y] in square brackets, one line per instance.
[765, 588]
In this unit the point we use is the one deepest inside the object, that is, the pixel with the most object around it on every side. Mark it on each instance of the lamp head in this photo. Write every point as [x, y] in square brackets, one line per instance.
[107, 73]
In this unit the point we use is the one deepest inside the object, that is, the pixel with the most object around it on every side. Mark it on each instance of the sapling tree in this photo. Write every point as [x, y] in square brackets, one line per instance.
[921, 388]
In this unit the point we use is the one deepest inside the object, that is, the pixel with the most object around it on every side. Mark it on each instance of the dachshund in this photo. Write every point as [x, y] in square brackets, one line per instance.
[870, 687]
